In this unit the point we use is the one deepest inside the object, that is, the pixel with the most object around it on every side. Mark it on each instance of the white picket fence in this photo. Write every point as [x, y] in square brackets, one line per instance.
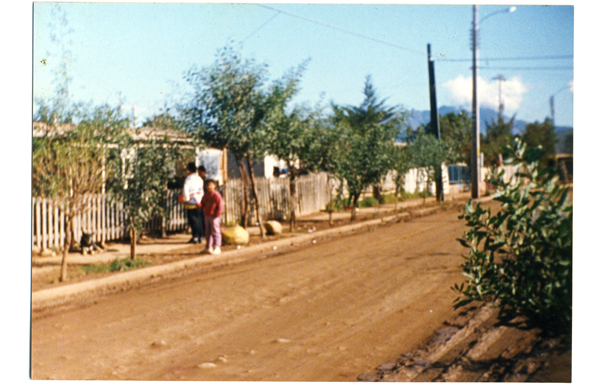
[104, 217]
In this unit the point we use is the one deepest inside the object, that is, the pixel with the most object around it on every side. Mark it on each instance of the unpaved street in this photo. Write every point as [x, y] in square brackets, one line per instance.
[328, 312]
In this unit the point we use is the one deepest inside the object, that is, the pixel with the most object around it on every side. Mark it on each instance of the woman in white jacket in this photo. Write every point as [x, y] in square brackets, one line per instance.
[193, 190]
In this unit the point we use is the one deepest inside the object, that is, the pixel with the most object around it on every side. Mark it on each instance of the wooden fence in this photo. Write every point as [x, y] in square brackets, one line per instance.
[106, 218]
[274, 196]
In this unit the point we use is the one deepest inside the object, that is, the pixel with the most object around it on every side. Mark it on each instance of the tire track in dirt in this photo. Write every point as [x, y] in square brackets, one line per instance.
[324, 313]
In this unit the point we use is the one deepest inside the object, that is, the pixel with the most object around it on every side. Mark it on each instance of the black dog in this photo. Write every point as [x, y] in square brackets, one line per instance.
[87, 243]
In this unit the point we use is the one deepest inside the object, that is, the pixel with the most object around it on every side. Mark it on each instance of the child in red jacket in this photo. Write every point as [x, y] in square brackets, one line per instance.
[213, 205]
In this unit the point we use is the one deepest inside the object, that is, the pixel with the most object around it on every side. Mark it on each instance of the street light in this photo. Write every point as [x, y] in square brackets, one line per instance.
[475, 151]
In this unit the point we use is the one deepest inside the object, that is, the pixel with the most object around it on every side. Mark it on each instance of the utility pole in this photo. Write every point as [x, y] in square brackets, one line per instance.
[500, 78]
[475, 151]
[435, 122]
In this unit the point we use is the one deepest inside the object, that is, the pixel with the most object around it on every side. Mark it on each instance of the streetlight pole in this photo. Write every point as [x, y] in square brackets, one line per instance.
[475, 151]
[475, 147]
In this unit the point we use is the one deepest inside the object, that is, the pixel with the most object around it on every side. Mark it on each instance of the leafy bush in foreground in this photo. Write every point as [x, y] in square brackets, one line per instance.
[521, 258]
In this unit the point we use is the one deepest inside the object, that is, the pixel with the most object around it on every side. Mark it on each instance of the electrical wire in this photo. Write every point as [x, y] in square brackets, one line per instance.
[528, 68]
[261, 26]
[514, 58]
[422, 53]
[343, 30]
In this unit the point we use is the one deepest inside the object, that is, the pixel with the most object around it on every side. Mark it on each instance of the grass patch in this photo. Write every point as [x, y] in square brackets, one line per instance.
[368, 202]
[416, 195]
[116, 265]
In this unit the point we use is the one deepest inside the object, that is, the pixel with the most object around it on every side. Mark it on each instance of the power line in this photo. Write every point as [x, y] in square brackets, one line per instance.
[528, 68]
[261, 26]
[514, 58]
[342, 30]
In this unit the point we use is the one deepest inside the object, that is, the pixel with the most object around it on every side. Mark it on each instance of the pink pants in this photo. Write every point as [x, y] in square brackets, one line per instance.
[213, 231]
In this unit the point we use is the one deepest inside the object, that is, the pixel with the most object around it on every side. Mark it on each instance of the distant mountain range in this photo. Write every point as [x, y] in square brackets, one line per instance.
[417, 118]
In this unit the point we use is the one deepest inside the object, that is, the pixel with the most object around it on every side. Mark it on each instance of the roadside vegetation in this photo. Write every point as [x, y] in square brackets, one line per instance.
[521, 259]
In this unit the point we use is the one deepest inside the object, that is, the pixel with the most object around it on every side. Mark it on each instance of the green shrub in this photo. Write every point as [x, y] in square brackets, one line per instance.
[337, 204]
[368, 202]
[415, 195]
[521, 258]
[385, 199]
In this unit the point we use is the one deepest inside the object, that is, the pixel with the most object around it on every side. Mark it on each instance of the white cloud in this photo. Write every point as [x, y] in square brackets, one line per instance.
[488, 92]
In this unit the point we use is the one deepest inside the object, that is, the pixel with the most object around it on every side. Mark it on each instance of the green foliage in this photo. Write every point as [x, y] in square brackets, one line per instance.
[366, 136]
[116, 265]
[427, 152]
[228, 104]
[543, 135]
[498, 136]
[368, 202]
[521, 258]
[386, 199]
[400, 165]
[140, 181]
[456, 134]
[164, 121]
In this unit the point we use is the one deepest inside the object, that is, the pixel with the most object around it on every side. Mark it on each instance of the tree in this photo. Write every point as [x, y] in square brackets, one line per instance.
[140, 180]
[498, 136]
[163, 121]
[456, 133]
[367, 134]
[521, 258]
[230, 108]
[544, 135]
[427, 152]
[287, 134]
[226, 110]
[324, 153]
[69, 163]
[401, 164]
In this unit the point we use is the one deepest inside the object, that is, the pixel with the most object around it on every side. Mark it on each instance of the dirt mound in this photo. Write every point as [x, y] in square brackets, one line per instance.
[470, 348]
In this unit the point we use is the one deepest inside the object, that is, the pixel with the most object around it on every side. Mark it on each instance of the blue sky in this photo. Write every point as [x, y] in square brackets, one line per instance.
[137, 53]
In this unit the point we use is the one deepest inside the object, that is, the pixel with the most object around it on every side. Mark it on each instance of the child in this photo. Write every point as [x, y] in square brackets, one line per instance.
[213, 205]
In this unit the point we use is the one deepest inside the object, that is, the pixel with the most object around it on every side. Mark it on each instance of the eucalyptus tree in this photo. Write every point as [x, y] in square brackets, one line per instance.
[367, 133]
[230, 107]
[226, 109]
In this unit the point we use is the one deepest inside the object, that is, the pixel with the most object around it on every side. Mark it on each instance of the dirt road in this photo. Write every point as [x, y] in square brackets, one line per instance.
[325, 313]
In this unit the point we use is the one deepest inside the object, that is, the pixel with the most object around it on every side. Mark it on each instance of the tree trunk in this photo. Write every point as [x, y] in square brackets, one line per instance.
[330, 204]
[354, 205]
[69, 239]
[377, 191]
[255, 193]
[244, 179]
[133, 242]
[292, 199]
[439, 186]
